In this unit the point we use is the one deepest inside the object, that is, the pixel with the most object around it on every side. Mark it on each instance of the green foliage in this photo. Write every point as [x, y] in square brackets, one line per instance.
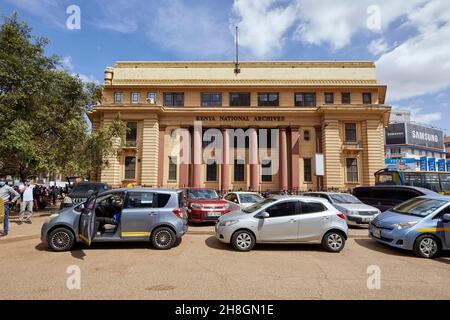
[43, 111]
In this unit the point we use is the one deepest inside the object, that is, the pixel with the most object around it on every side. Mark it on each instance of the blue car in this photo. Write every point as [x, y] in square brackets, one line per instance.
[420, 224]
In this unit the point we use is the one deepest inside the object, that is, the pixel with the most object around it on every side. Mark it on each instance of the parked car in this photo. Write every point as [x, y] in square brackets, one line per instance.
[205, 205]
[284, 219]
[420, 224]
[386, 197]
[243, 199]
[81, 191]
[132, 214]
[356, 212]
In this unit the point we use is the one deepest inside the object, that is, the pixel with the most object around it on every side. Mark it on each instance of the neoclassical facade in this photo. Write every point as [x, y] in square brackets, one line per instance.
[326, 121]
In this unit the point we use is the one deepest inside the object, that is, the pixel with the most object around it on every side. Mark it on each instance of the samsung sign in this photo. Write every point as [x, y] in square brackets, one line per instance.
[416, 135]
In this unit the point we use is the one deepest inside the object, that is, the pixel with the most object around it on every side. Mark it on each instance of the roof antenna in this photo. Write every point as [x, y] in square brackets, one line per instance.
[237, 70]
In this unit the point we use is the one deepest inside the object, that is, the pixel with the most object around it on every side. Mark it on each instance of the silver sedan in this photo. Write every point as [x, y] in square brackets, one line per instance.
[284, 219]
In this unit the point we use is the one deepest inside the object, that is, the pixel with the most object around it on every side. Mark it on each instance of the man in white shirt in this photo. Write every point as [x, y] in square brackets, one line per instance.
[26, 205]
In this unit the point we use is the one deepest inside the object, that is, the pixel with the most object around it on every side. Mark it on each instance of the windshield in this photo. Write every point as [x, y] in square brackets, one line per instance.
[419, 207]
[344, 198]
[84, 188]
[250, 198]
[258, 205]
[203, 194]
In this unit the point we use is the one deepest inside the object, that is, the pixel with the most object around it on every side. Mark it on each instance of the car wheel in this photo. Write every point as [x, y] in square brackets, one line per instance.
[177, 242]
[243, 240]
[333, 241]
[427, 246]
[163, 238]
[61, 239]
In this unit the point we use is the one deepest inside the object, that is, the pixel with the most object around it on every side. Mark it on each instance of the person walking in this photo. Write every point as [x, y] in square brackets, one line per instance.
[8, 196]
[26, 205]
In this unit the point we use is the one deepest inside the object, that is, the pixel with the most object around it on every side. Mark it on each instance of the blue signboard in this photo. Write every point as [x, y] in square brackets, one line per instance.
[448, 165]
[401, 163]
[423, 164]
[441, 164]
[432, 164]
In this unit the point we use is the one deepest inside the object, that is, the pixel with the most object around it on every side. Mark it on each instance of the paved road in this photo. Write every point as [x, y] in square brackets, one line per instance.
[202, 268]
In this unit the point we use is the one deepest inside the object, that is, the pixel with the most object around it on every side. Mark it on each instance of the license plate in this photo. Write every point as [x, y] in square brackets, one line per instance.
[376, 232]
[213, 214]
[366, 220]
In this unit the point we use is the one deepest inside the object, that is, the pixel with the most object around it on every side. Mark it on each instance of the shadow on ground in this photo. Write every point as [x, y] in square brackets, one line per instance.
[379, 247]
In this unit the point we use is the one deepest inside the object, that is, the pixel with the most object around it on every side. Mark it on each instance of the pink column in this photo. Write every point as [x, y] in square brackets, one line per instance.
[253, 157]
[225, 176]
[197, 158]
[283, 178]
[295, 159]
[162, 131]
[185, 158]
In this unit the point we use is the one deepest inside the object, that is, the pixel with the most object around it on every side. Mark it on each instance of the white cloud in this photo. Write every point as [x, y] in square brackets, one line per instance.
[378, 46]
[87, 78]
[49, 10]
[263, 24]
[421, 116]
[421, 64]
[67, 63]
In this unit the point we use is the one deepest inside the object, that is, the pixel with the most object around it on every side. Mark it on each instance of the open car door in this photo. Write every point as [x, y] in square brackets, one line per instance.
[87, 220]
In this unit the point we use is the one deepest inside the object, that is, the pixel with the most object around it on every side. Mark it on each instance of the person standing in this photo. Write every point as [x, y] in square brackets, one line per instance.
[26, 206]
[8, 195]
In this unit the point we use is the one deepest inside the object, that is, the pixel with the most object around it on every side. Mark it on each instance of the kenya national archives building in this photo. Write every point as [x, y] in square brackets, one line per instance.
[320, 124]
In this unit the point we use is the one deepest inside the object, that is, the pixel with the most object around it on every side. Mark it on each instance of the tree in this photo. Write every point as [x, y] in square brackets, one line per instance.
[43, 110]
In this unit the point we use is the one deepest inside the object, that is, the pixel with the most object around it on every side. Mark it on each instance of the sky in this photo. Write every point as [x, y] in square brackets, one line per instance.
[408, 40]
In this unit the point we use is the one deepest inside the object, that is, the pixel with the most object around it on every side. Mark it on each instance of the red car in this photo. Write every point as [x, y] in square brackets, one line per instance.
[205, 205]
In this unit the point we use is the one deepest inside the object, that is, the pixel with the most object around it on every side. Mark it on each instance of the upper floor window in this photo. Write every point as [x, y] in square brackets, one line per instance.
[151, 97]
[173, 168]
[307, 99]
[345, 98]
[173, 99]
[329, 97]
[118, 97]
[239, 170]
[306, 135]
[130, 168]
[367, 98]
[211, 99]
[211, 171]
[131, 135]
[239, 99]
[268, 99]
[135, 97]
[350, 132]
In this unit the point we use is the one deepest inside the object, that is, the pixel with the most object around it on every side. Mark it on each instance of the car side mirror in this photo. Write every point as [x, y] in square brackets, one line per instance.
[264, 215]
[446, 217]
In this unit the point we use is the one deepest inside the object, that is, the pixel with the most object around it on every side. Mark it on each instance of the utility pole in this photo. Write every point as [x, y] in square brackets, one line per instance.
[237, 70]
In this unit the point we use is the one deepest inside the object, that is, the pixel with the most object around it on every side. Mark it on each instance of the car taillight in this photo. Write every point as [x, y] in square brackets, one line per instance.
[341, 215]
[178, 212]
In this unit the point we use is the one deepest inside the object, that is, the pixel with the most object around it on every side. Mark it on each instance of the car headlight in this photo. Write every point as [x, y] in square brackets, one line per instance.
[405, 225]
[352, 212]
[227, 223]
[67, 200]
[196, 206]
[226, 205]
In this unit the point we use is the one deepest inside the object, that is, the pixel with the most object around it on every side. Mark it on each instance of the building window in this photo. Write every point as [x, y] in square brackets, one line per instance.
[367, 98]
[172, 168]
[329, 97]
[352, 169]
[211, 99]
[306, 135]
[345, 98]
[211, 171]
[268, 99]
[265, 135]
[266, 172]
[118, 97]
[305, 99]
[151, 97]
[135, 97]
[131, 135]
[350, 132]
[239, 99]
[174, 99]
[130, 168]
[307, 177]
[238, 170]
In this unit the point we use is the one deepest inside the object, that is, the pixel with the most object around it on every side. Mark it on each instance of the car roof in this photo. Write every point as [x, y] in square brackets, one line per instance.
[435, 197]
[423, 190]
[294, 197]
[243, 192]
[324, 192]
[143, 189]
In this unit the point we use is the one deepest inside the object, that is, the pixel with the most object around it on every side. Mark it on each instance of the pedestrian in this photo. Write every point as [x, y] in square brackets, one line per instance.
[8, 196]
[26, 205]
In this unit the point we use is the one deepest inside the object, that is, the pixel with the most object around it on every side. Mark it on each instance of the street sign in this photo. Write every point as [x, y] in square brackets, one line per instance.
[432, 164]
[423, 164]
[441, 164]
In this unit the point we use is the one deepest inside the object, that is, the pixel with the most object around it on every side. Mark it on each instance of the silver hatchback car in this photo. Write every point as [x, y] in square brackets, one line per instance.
[134, 214]
[284, 219]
